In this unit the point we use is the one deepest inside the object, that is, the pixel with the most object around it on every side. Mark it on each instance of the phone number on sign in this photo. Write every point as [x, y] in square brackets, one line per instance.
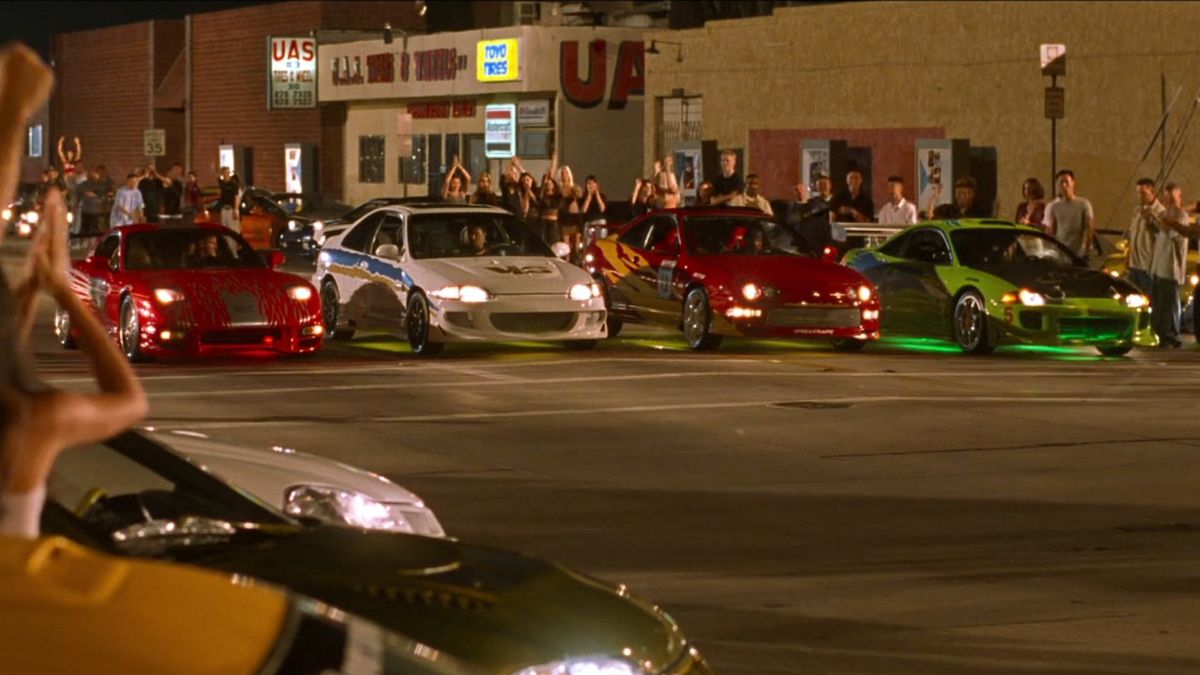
[293, 99]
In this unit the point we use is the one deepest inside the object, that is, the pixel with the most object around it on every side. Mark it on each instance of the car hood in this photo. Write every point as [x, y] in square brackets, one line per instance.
[1056, 282]
[268, 474]
[224, 297]
[496, 609]
[507, 275]
[795, 277]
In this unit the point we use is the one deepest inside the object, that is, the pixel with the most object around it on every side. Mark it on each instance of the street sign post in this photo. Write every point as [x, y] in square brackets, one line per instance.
[1055, 103]
[1053, 58]
[154, 142]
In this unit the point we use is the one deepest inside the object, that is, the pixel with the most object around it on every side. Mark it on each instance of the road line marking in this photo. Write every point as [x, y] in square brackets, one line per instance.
[667, 407]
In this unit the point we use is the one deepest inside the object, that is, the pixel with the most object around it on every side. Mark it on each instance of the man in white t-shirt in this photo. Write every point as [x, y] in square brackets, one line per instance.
[1070, 218]
[751, 197]
[1168, 267]
[897, 210]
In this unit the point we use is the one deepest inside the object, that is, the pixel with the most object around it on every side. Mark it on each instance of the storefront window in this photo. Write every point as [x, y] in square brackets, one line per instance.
[412, 167]
[534, 144]
[370, 159]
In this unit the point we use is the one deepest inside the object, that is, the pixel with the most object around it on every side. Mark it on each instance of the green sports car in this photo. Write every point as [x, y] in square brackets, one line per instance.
[983, 283]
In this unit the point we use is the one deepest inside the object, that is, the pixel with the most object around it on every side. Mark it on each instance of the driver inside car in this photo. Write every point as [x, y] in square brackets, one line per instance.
[207, 252]
[477, 240]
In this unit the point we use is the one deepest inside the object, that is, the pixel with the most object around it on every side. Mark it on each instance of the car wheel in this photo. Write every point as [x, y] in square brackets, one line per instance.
[416, 320]
[971, 324]
[1115, 350]
[697, 321]
[62, 329]
[129, 333]
[612, 323]
[848, 344]
[580, 345]
[331, 310]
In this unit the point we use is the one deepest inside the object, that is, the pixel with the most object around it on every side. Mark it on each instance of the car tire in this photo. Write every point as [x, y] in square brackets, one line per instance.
[612, 324]
[848, 344]
[129, 332]
[63, 328]
[331, 310]
[580, 345]
[416, 326]
[1115, 350]
[697, 321]
[971, 324]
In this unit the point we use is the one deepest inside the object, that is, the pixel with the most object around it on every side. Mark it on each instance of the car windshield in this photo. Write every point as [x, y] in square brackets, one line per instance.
[466, 234]
[739, 235]
[361, 210]
[1007, 246]
[189, 248]
[131, 481]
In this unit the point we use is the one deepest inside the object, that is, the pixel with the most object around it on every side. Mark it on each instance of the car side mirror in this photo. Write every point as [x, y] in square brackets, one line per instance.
[275, 259]
[561, 249]
[388, 251]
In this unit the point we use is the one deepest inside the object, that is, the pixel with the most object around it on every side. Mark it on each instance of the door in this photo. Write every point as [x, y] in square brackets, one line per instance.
[349, 265]
[915, 301]
[652, 252]
[103, 290]
[386, 293]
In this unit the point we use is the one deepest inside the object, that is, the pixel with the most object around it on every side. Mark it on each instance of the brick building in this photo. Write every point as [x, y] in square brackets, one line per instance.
[203, 80]
[882, 75]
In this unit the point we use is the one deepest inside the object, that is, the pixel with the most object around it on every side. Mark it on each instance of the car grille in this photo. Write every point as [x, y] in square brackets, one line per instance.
[238, 337]
[814, 317]
[1092, 328]
[533, 322]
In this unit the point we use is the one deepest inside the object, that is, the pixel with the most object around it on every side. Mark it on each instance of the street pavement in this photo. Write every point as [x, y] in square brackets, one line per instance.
[907, 509]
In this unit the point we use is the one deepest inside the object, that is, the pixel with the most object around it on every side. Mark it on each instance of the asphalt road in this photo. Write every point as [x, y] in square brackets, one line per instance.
[903, 510]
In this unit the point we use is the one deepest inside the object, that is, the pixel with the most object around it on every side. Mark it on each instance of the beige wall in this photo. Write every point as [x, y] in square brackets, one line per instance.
[968, 67]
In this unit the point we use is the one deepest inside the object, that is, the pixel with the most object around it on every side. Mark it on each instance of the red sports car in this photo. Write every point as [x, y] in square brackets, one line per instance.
[193, 291]
[718, 272]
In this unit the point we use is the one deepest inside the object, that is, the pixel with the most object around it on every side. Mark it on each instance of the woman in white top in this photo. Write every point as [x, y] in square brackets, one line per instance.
[36, 421]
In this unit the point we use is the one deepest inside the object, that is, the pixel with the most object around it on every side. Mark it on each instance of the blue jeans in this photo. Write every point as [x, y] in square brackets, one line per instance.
[1165, 304]
[1141, 279]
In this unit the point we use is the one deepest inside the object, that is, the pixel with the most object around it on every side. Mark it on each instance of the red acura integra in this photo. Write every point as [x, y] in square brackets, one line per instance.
[193, 291]
[718, 272]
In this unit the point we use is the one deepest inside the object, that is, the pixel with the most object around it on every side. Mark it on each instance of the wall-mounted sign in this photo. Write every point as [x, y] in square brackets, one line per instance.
[500, 130]
[629, 76]
[154, 142]
[534, 112]
[441, 109]
[497, 60]
[293, 77]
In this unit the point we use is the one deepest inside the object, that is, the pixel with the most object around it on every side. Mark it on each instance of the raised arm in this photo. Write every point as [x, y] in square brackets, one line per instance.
[78, 150]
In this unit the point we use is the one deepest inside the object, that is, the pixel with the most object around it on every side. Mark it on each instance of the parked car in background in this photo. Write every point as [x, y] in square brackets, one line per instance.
[440, 273]
[729, 272]
[306, 238]
[168, 290]
[310, 205]
[982, 283]
[497, 611]
[309, 486]
[263, 220]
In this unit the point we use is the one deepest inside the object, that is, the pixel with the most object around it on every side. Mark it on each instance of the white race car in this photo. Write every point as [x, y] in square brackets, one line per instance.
[441, 273]
[309, 486]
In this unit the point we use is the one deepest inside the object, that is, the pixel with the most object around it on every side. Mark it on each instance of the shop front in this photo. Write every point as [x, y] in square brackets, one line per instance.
[483, 96]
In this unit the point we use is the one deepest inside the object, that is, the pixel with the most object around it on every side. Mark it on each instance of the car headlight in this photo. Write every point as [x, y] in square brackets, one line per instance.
[70, 217]
[317, 227]
[752, 292]
[6, 214]
[864, 293]
[301, 293]
[1194, 280]
[598, 665]
[461, 293]
[584, 292]
[167, 295]
[1030, 298]
[332, 505]
[31, 217]
[293, 225]
[1136, 301]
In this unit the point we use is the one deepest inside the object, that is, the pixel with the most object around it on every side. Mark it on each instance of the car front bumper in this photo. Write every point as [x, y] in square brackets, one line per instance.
[799, 322]
[518, 317]
[1097, 323]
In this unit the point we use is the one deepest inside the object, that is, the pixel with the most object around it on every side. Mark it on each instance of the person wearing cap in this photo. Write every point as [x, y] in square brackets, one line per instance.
[964, 205]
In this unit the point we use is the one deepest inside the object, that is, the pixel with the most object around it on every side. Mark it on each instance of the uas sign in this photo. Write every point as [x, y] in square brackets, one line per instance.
[497, 60]
[293, 78]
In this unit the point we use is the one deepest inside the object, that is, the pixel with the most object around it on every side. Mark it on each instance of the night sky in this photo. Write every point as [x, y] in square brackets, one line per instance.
[34, 22]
